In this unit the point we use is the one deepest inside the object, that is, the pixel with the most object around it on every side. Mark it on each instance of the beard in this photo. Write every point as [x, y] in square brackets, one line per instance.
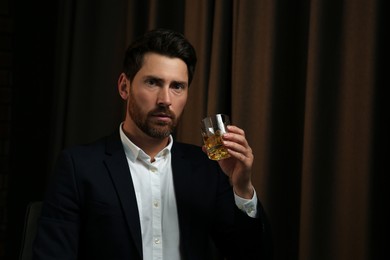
[148, 123]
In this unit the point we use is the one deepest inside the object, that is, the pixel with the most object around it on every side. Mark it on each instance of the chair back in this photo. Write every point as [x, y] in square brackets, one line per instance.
[33, 213]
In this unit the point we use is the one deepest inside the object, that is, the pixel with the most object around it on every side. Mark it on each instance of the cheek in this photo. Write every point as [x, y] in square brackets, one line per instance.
[143, 100]
[180, 104]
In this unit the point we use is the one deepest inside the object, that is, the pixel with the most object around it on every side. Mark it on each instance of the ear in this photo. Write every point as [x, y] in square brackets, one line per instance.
[123, 86]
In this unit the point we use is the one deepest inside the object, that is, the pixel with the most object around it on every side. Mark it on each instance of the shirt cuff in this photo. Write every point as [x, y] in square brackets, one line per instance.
[249, 206]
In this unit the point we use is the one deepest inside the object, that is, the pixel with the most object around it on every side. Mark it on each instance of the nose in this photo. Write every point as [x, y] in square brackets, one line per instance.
[164, 97]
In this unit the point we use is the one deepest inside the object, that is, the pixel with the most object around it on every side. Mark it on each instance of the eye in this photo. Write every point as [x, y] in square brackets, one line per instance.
[151, 82]
[178, 87]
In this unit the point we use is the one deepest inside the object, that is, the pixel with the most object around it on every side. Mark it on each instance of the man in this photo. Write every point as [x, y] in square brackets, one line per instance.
[138, 194]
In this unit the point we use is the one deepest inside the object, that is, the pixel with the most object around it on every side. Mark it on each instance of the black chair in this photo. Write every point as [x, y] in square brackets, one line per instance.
[30, 229]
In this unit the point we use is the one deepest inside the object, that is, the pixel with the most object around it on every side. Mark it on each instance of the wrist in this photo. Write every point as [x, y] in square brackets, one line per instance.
[246, 192]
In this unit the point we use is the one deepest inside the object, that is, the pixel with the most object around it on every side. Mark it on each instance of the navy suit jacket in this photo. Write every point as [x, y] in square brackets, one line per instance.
[90, 209]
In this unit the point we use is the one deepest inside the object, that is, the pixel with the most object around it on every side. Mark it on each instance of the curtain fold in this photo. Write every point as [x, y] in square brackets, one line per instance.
[338, 130]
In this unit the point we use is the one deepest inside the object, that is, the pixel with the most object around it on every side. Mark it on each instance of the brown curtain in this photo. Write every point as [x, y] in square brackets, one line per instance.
[304, 79]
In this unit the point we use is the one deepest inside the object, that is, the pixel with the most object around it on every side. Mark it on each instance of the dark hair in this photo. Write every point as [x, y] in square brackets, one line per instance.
[161, 41]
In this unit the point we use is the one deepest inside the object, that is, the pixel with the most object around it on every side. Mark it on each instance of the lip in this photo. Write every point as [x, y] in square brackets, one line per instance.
[162, 116]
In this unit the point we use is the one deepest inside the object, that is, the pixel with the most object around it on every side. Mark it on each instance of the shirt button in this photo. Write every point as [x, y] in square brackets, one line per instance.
[155, 204]
[154, 170]
[157, 241]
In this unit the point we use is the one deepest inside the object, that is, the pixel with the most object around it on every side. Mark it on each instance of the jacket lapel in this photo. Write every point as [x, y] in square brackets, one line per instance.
[181, 171]
[118, 168]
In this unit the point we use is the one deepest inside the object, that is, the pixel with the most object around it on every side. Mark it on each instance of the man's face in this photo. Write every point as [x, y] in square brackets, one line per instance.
[158, 94]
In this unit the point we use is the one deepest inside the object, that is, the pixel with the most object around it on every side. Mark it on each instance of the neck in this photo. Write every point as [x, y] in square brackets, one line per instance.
[150, 145]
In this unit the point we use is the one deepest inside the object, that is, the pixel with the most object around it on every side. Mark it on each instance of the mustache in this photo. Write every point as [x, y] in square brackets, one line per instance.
[162, 111]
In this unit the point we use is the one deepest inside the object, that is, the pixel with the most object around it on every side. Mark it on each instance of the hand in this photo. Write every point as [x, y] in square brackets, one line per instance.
[239, 165]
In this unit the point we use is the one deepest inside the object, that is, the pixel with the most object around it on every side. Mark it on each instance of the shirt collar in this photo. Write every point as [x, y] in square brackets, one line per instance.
[133, 152]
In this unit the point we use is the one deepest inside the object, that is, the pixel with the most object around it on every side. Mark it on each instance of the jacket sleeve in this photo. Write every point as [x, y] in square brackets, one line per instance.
[241, 236]
[58, 228]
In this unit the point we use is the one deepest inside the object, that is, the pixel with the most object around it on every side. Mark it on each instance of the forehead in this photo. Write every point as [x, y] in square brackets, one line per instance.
[164, 67]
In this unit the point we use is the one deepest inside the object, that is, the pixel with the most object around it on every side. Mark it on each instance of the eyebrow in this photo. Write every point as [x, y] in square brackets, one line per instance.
[159, 80]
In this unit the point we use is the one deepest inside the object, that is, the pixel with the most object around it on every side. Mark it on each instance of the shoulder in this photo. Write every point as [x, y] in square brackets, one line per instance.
[191, 153]
[100, 147]
[86, 147]
[183, 149]
[186, 146]
[88, 159]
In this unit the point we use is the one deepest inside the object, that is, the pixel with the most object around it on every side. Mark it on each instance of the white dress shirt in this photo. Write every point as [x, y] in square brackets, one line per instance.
[156, 201]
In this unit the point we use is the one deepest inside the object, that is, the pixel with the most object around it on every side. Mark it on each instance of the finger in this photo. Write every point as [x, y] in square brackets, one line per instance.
[237, 148]
[204, 149]
[235, 129]
[236, 137]
[245, 159]
[236, 142]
